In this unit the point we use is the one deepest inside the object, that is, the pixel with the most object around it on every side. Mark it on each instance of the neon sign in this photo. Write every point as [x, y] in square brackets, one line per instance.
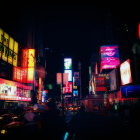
[28, 63]
[109, 57]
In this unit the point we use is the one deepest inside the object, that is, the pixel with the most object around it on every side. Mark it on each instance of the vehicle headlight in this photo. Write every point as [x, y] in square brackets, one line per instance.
[3, 131]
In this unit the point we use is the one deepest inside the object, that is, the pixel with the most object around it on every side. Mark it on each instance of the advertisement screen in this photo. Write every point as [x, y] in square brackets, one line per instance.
[125, 72]
[109, 57]
[100, 82]
[75, 92]
[59, 78]
[65, 78]
[67, 88]
[10, 90]
[44, 96]
[76, 78]
[69, 74]
[28, 57]
[130, 91]
[67, 63]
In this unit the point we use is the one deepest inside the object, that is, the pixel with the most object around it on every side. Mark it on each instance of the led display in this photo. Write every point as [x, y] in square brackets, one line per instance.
[59, 78]
[75, 92]
[28, 63]
[68, 88]
[130, 91]
[65, 78]
[67, 63]
[109, 57]
[10, 90]
[69, 74]
[125, 72]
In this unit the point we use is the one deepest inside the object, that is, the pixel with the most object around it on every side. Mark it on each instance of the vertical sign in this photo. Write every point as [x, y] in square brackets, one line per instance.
[65, 78]
[11, 46]
[68, 70]
[76, 78]
[25, 58]
[29, 63]
[125, 72]
[139, 30]
[15, 52]
[5, 43]
[59, 78]
[1, 46]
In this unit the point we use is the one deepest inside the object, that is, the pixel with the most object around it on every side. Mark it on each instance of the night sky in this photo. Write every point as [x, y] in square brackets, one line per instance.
[75, 30]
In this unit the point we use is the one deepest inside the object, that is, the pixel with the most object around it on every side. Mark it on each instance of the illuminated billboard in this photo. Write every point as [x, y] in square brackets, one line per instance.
[130, 91]
[67, 88]
[68, 85]
[75, 92]
[59, 78]
[28, 62]
[17, 74]
[65, 78]
[67, 63]
[28, 58]
[125, 72]
[8, 48]
[69, 74]
[44, 95]
[109, 57]
[10, 90]
[100, 82]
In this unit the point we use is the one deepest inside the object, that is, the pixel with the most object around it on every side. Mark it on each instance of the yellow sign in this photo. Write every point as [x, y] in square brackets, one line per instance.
[1, 34]
[11, 46]
[30, 77]
[8, 48]
[74, 87]
[31, 58]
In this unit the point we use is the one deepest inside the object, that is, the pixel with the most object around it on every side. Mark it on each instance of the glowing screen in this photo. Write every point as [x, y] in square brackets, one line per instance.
[125, 72]
[67, 63]
[109, 57]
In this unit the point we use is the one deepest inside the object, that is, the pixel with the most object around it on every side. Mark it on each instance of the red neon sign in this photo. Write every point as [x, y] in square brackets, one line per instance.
[68, 88]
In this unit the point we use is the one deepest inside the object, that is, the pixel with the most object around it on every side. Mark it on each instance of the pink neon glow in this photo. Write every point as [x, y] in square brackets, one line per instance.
[139, 30]
[109, 57]
[125, 71]
[68, 88]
